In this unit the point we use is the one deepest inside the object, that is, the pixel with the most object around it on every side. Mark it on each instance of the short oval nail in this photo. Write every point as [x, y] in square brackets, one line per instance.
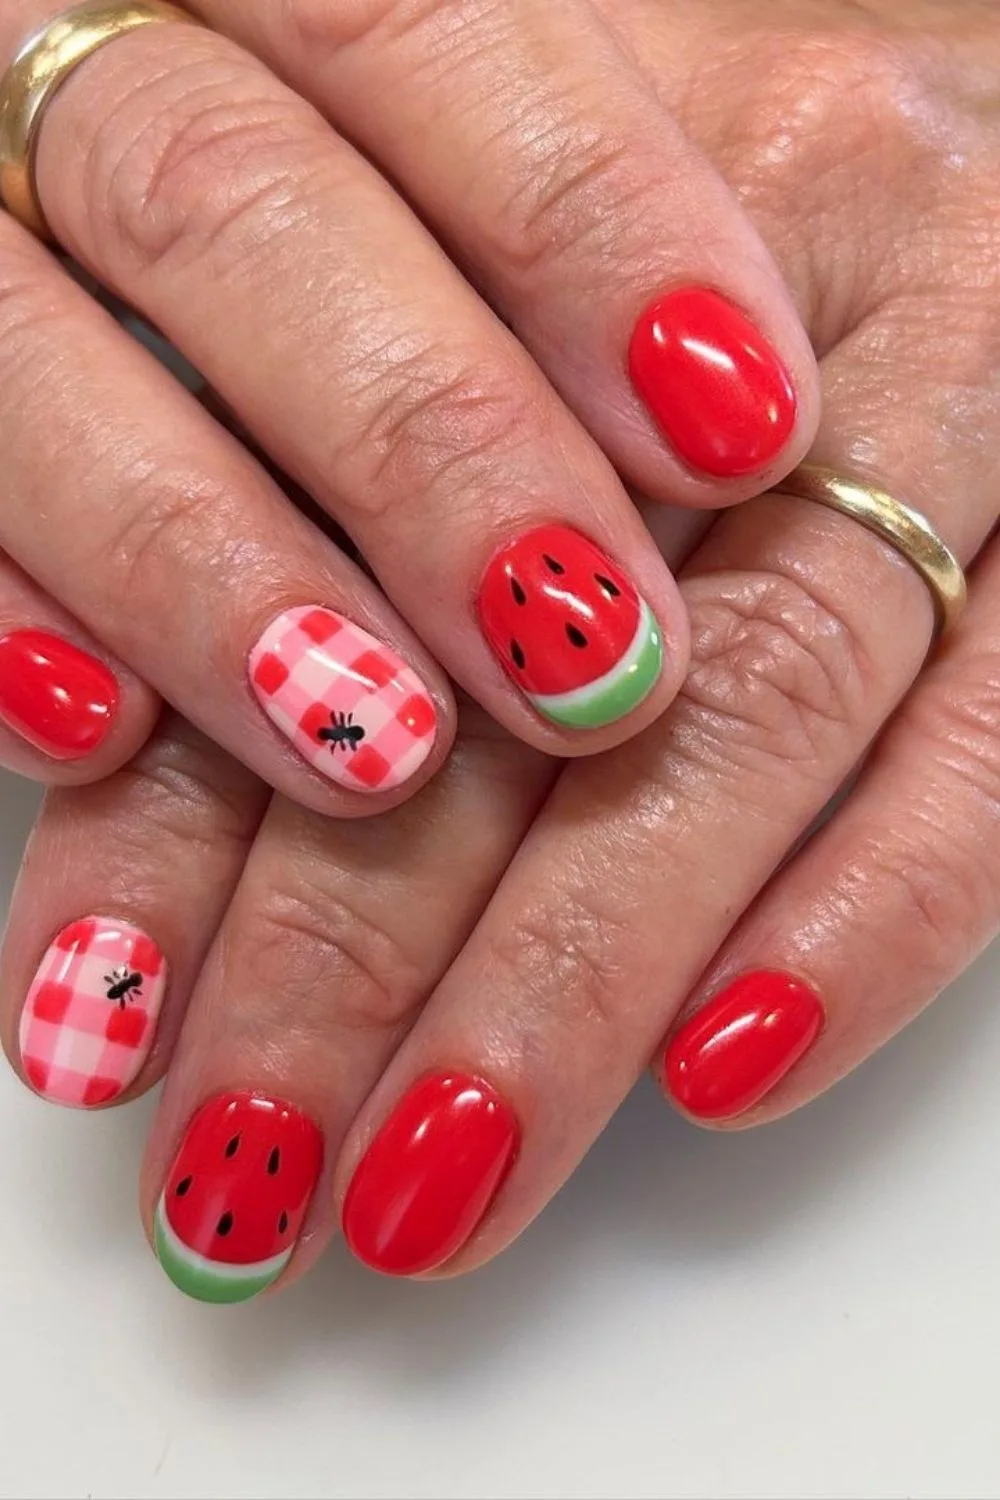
[430, 1175]
[351, 707]
[235, 1199]
[712, 382]
[91, 1011]
[740, 1045]
[59, 699]
[569, 628]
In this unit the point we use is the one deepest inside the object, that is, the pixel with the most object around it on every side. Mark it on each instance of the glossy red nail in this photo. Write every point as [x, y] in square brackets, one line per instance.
[712, 382]
[235, 1199]
[733, 1051]
[569, 628]
[55, 696]
[430, 1175]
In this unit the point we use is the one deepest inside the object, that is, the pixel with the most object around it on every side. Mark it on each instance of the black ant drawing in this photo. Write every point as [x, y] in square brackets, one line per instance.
[122, 983]
[343, 732]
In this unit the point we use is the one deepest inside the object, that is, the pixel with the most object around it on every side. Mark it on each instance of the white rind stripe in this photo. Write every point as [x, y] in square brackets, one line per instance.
[551, 703]
[219, 1267]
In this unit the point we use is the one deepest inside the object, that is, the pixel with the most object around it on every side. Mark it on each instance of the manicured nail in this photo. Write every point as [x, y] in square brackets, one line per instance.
[569, 628]
[350, 706]
[430, 1175]
[233, 1205]
[90, 1014]
[55, 696]
[733, 1051]
[712, 383]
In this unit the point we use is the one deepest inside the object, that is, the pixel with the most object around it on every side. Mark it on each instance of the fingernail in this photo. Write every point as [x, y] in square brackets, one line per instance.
[430, 1175]
[55, 696]
[90, 1015]
[350, 706]
[712, 383]
[234, 1202]
[733, 1051]
[569, 628]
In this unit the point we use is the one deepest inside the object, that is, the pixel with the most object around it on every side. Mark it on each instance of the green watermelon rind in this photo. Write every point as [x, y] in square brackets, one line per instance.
[618, 691]
[211, 1280]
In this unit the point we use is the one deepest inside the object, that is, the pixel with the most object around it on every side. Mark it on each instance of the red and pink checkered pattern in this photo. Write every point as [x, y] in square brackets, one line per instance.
[316, 673]
[79, 1044]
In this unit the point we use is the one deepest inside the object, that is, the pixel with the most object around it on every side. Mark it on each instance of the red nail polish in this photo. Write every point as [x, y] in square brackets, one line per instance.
[430, 1175]
[235, 1199]
[712, 382]
[55, 696]
[569, 628]
[733, 1051]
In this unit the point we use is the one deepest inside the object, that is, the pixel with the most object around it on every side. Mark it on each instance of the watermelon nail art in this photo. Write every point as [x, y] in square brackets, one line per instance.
[570, 628]
[233, 1205]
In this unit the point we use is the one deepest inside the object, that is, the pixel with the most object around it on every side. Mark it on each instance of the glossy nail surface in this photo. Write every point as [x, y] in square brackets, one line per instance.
[350, 706]
[733, 1051]
[712, 383]
[234, 1202]
[569, 628]
[90, 1015]
[55, 696]
[430, 1175]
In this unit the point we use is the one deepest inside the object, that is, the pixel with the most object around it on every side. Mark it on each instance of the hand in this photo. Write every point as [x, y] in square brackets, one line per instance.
[807, 635]
[218, 202]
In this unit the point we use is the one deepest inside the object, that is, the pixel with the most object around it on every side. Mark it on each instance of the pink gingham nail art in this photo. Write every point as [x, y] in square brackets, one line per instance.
[90, 1015]
[350, 706]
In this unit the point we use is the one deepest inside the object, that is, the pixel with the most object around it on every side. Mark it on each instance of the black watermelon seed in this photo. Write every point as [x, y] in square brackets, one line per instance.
[274, 1161]
[183, 1186]
[225, 1224]
[576, 637]
[520, 597]
[611, 589]
[282, 1222]
[517, 654]
[232, 1146]
[551, 564]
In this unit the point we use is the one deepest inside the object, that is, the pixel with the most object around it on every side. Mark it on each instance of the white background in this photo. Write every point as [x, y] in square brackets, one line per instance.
[810, 1310]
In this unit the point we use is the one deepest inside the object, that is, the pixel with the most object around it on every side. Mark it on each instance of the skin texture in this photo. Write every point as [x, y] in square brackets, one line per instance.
[613, 918]
[236, 218]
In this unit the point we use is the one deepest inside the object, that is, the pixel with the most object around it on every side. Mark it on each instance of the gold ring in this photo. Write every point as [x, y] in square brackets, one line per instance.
[37, 74]
[904, 529]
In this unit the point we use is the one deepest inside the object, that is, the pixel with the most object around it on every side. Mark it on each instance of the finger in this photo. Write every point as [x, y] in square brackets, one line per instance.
[68, 714]
[593, 224]
[336, 934]
[882, 909]
[171, 545]
[123, 886]
[806, 633]
[213, 199]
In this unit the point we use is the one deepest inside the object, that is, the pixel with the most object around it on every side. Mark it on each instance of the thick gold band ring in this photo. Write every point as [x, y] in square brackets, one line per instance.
[37, 74]
[903, 528]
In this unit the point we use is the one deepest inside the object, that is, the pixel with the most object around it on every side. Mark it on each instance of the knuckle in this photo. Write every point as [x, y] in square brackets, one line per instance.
[586, 194]
[317, 26]
[162, 530]
[211, 166]
[937, 895]
[960, 725]
[571, 950]
[861, 81]
[180, 790]
[33, 327]
[433, 421]
[347, 972]
[777, 679]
